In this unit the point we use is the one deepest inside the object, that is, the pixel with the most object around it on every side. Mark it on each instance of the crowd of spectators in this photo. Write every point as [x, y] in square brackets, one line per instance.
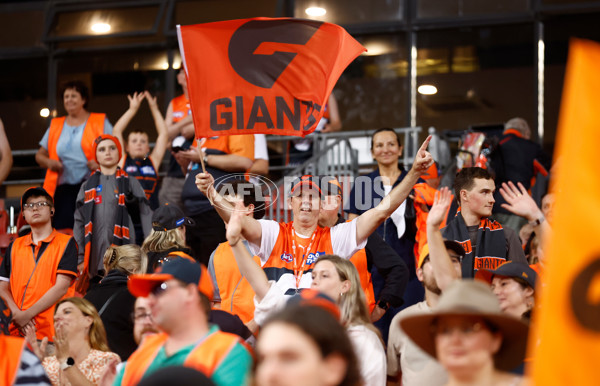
[119, 282]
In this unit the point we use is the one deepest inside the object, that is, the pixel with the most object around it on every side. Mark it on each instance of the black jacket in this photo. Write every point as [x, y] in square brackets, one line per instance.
[117, 315]
[389, 265]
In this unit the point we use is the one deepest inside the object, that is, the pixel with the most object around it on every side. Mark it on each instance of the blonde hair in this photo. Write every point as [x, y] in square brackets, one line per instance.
[96, 333]
[129, 259]
[159, 241]
[353, 304]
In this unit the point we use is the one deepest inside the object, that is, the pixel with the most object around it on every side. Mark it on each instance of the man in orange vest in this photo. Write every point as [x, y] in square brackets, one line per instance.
[180, 309]
[288, 251]
[376, 253]
[38, 269]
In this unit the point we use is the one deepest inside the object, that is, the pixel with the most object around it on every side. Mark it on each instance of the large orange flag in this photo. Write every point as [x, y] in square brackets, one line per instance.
[270, 76]
[566, 339]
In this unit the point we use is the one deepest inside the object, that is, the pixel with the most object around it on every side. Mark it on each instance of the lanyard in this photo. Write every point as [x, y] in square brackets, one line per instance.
[299, 270]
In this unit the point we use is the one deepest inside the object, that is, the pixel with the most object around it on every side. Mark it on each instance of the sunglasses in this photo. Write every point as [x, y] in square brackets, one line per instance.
[162, 288]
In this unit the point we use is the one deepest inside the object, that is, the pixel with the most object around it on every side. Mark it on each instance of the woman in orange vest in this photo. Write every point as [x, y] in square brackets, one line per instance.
[67, 152]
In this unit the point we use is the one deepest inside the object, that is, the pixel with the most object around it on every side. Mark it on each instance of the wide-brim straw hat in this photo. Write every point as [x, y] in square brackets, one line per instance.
[472, 298]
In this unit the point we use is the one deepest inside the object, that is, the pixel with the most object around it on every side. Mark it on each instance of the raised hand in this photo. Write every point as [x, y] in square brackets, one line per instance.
[61, 342]
[38, 348]
[441, 203]
[151, 100]
[204, 181]
[234, 226]
[135, 100]
[519, 202]
[423, 159]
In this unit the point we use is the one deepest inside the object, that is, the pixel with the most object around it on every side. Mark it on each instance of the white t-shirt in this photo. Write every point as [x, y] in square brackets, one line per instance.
[260, 147]
[343, 240]
[370, 354]
[418, 367]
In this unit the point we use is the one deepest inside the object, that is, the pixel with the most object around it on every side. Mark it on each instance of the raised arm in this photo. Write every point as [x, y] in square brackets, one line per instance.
[248, 268]
[134, 104]
[371, 219]
[251, 229]
[6, 159]
[519, 202]
[161, 129]
[439, 259]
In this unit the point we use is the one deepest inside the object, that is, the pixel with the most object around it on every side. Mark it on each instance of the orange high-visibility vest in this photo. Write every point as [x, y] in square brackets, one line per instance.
[237, 296]
[181, 108]
[359, 259]
[94, 127]
[11, 348]
[30, 280]
[205, 357]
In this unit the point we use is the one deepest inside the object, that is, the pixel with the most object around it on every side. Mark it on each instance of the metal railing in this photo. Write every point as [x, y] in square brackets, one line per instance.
[339, 154]
[343, 155]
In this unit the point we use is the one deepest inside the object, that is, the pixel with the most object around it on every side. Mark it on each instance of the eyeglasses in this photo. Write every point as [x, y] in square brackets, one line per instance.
[38, 205]
[139, 316]
[162, 288]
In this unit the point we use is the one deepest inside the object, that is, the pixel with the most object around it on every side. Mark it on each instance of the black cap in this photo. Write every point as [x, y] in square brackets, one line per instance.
[36, 192]
[169, 217]
[510, 269]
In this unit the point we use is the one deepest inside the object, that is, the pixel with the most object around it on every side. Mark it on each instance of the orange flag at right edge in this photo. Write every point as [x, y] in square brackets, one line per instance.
[565, 339]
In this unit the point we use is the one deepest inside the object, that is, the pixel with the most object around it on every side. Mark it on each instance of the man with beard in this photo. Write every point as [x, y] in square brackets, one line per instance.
[406, 362]
[143, 324]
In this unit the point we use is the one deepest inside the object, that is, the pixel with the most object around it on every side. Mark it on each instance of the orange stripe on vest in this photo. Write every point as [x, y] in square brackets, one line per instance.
[205, 357]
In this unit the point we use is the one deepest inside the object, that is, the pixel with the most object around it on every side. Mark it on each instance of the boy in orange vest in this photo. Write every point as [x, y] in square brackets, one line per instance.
[38, 268]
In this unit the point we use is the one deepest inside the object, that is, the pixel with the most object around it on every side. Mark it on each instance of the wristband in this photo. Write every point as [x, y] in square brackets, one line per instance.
[205, 159]
[537, 222]
[383, 305]
[68, 363]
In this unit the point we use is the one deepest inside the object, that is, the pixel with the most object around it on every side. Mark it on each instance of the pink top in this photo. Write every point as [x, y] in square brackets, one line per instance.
[92, 367]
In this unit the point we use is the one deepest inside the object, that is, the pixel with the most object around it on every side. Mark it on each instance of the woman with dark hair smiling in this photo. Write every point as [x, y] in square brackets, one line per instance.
[305, 345]
[398, 230]
[67, 151]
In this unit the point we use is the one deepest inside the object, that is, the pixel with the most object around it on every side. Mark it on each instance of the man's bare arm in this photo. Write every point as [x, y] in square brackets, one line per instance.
[251, 229]
[248, 268]
[439, 259]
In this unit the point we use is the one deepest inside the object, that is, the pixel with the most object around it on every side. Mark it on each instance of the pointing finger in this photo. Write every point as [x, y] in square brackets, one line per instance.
[425, 144]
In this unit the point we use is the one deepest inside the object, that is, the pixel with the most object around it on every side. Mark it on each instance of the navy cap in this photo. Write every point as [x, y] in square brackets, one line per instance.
[330, 186]
[167, 217]
[184, 269]
[509, 269]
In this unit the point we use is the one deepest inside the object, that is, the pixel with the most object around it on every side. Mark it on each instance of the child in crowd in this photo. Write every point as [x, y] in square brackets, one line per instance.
[106, 204]
[139, 162]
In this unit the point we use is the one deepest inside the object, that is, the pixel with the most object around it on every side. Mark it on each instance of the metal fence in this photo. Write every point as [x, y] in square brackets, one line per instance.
[343, 155]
